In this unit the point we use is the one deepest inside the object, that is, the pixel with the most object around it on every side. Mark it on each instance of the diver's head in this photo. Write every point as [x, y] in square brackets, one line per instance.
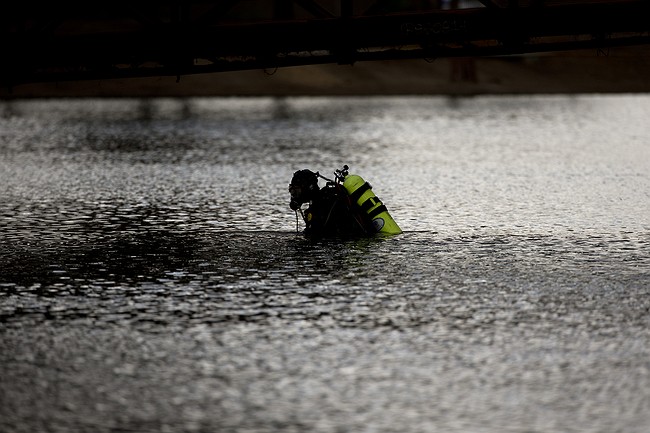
[303, 188]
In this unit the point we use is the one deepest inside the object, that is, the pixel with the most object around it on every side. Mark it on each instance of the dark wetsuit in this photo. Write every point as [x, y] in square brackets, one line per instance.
[331, 213]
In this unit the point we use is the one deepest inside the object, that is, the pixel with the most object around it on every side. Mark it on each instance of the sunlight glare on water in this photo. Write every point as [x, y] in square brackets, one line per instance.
[152, 277]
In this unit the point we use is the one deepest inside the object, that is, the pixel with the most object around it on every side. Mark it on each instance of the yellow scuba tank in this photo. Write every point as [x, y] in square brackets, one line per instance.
[361, 193]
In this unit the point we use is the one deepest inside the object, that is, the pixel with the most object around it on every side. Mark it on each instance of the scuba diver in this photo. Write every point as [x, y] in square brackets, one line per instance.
[344, 207]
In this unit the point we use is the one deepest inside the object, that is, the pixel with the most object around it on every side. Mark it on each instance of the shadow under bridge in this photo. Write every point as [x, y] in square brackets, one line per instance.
[68, 40]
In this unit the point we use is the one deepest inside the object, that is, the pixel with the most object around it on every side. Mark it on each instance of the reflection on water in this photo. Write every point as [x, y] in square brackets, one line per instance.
[152, 279]
[259, 275]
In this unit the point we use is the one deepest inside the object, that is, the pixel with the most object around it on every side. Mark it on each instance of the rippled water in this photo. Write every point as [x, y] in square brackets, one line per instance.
[152, 279]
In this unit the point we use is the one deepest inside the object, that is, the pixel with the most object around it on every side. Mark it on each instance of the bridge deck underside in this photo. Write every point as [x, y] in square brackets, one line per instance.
[200, 45]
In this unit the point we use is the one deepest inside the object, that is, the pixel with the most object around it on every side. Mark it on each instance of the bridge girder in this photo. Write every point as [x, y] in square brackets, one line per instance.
[134, 39]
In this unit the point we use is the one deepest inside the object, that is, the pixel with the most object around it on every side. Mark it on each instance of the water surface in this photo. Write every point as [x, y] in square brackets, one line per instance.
[152, 277]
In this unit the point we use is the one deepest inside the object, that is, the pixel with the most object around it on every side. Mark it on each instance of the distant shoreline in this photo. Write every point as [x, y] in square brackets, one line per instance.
[620, 70]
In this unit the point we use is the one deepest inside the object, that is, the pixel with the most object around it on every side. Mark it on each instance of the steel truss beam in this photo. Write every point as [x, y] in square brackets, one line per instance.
[182, 41]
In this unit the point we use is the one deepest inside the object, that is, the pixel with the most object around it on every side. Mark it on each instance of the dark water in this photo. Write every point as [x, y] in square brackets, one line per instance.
[151, 276]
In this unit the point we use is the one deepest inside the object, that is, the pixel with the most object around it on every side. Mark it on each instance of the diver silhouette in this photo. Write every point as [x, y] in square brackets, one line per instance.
[344, 207]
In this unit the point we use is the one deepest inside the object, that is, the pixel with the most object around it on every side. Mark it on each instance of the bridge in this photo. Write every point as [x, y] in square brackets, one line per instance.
[103, 39]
